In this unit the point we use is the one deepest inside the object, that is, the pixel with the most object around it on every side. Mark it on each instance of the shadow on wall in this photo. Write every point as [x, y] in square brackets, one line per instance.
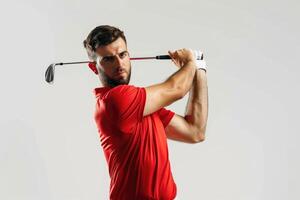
[22, 170]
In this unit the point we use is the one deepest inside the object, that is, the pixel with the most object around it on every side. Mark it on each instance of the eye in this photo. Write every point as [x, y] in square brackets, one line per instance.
[107, 59]
[123, 54]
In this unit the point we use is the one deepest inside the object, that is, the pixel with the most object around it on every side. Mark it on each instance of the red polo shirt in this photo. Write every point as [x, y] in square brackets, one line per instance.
[135, 147]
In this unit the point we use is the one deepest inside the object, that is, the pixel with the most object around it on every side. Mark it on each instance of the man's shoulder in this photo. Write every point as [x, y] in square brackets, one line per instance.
[124, 89]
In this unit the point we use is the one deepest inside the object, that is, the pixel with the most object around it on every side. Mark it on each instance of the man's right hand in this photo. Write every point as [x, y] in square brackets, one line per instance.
[182, 56]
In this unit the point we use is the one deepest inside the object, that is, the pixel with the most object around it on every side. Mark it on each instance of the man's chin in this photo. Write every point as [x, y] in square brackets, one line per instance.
[112, 82]
[121, 81]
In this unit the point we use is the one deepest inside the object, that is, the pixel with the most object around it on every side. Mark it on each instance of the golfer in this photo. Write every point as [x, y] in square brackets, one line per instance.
[132, 122]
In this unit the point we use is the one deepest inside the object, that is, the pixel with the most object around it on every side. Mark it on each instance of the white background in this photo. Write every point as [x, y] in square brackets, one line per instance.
[49, 145]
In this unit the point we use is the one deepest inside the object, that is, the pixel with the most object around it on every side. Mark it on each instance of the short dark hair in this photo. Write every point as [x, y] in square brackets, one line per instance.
[102, 36]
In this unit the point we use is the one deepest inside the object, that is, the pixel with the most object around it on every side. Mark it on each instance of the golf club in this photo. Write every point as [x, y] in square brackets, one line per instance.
[49, 75]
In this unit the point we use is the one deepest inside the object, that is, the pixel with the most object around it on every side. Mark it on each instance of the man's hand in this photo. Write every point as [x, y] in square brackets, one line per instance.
[182, 56]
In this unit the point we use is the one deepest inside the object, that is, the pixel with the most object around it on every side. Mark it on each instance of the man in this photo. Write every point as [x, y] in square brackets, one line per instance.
[134, 125]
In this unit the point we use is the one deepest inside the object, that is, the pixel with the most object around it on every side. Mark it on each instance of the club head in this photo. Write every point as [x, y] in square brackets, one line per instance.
[49, 75]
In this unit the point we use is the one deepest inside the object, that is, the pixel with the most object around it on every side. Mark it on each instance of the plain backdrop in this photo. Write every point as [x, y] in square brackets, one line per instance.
[49, 145]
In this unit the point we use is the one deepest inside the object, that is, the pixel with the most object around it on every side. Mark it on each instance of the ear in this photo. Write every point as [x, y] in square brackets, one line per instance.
[92, 66]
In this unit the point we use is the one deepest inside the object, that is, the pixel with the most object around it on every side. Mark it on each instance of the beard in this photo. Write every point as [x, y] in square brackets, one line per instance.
[107, 81]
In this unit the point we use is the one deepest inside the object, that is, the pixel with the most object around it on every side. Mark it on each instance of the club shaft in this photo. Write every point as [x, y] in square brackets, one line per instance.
[161, 57]
[142, 58]
[70, 63]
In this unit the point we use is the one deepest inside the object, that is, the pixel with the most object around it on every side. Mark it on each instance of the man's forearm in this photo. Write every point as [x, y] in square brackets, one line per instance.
[183, 78]
[197, 105]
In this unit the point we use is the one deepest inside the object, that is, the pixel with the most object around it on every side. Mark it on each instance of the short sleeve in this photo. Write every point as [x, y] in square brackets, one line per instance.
[165, 116]
[125, 104]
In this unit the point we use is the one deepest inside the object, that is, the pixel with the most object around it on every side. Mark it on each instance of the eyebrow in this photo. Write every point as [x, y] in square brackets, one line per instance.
[113, 55]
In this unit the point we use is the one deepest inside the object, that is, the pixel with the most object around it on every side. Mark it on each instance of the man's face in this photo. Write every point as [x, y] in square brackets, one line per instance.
[114, 61]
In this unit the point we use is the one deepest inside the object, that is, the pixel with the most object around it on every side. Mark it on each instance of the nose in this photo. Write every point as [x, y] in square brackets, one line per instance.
[119, 61]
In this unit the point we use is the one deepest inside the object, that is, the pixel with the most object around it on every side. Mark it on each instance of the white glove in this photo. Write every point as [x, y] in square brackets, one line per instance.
[200, 62]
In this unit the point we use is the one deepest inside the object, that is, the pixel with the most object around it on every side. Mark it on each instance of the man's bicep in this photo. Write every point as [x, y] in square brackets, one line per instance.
[180, 130]
[159, 96]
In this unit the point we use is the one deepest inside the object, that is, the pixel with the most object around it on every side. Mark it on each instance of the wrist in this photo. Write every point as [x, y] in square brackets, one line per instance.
[201, 65]
[191, 63]
[201, 69]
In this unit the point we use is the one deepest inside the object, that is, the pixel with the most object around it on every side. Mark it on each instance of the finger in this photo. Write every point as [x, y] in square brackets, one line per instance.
[174, 61]
[173, 57]
[171, 54]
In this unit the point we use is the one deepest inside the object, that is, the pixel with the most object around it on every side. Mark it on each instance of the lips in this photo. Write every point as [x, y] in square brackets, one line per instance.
[120, 73]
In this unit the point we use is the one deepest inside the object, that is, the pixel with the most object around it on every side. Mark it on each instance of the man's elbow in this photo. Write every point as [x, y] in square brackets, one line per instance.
[199, 137]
